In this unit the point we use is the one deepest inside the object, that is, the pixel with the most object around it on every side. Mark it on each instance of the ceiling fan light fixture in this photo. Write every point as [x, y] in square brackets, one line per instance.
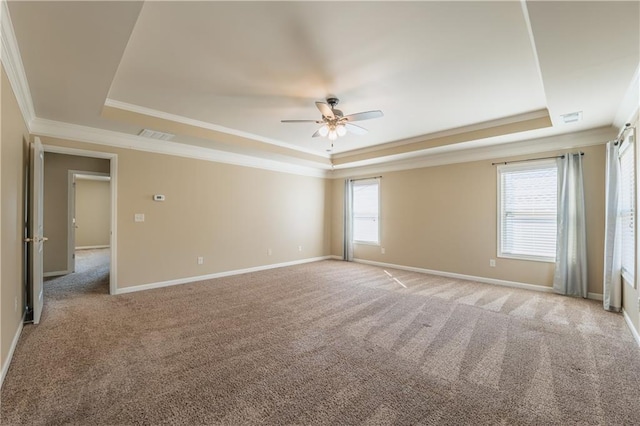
[334, 123]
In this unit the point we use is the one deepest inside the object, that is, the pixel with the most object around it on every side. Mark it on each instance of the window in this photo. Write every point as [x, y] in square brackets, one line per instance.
[627, 208]
[366, 211]
[527, 210]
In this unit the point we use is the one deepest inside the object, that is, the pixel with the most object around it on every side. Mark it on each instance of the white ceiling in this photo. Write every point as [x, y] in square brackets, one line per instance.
[241, 67]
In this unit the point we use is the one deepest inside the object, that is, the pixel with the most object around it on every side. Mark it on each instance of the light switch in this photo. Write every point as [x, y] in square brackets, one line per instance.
[139, 217]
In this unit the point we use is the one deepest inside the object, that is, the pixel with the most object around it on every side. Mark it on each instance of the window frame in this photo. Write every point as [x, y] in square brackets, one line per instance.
[529, 165]
[353, 218]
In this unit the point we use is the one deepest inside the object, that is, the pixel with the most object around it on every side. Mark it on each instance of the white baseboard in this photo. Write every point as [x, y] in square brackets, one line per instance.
[54, 274]
[461, 276]
[595, 296]
[91, 247]
[14, 343]
[216, 275]
[632, 328]
[504, 283]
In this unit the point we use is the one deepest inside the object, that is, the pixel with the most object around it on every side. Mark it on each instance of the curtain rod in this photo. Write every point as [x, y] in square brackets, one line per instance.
[627, 126]
[367, 178]
[531, 159]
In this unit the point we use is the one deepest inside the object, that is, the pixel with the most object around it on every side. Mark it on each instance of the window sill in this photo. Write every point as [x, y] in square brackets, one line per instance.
[525, 257]
[367, 243]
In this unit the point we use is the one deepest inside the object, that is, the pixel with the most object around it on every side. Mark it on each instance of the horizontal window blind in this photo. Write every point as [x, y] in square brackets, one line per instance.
[366, 208]
[528, 211]
[627, 207]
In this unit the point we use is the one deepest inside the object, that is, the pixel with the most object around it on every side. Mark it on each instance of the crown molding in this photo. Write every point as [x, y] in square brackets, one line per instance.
[74, 132]
[585, 138]
[12, 62]
[205, 125]
[531, 120]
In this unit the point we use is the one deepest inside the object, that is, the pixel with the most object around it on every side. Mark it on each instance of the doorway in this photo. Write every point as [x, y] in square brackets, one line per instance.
[90, 219]
[89, 211]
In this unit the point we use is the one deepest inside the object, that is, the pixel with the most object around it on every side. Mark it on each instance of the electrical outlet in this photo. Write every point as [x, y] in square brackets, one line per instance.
[492, 263]
[299, 248]
[138, 217]
[382, 250]
[269, 252]
[200, 260]
[15, 304]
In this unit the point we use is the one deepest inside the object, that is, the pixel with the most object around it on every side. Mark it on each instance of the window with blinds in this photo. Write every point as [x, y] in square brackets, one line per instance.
[366, 211]
[527, 216]
[627, 208]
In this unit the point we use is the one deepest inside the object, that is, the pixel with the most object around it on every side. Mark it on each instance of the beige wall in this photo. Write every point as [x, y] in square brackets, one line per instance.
[13, 157]
[230, 215]
[93, 208]
[56, 184]
[444, 218]
[630, 294]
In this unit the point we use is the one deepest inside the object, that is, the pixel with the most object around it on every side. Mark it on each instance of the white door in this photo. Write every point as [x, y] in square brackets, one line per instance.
[36, 238]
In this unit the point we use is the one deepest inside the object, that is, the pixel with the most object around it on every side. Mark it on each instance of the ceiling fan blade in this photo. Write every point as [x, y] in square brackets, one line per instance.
[301, 121]
[359, 116]
[325, 110]
[316, 134]
[356, 130]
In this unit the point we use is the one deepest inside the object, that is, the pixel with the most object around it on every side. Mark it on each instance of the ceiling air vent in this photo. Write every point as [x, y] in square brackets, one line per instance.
[155, 135]
[573, 117]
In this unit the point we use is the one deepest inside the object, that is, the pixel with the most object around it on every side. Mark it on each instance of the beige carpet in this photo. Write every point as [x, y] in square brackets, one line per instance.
[322, 343]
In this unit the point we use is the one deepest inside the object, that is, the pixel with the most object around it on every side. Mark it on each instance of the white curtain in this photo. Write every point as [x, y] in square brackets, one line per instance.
[570, 276]
[348, 221]
[612, 283]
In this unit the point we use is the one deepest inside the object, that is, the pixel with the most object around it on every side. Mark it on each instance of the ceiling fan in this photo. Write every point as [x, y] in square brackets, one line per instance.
[335, 123]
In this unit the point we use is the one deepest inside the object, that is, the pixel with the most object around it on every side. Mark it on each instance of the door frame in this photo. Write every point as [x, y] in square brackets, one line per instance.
[113, 173]
[71, 210]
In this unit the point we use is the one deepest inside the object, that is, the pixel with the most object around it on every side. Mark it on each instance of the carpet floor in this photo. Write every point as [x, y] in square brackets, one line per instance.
[322, 343]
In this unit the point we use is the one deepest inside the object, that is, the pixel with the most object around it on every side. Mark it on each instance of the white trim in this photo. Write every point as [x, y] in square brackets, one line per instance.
[78, 152]
[92, 247]
[97, 177]
[446, 155]
[71, 226]
[56, 129]
[594, 296]
[14, 343]
[503, 283]
[187, 280]
[512, 119]
[55, 273]
[205, 125]
[12, 61]
[113, 173]
[113, 261]
[632, 329]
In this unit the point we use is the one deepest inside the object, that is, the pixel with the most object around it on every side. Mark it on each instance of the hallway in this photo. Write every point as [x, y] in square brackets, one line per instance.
[91, 276]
